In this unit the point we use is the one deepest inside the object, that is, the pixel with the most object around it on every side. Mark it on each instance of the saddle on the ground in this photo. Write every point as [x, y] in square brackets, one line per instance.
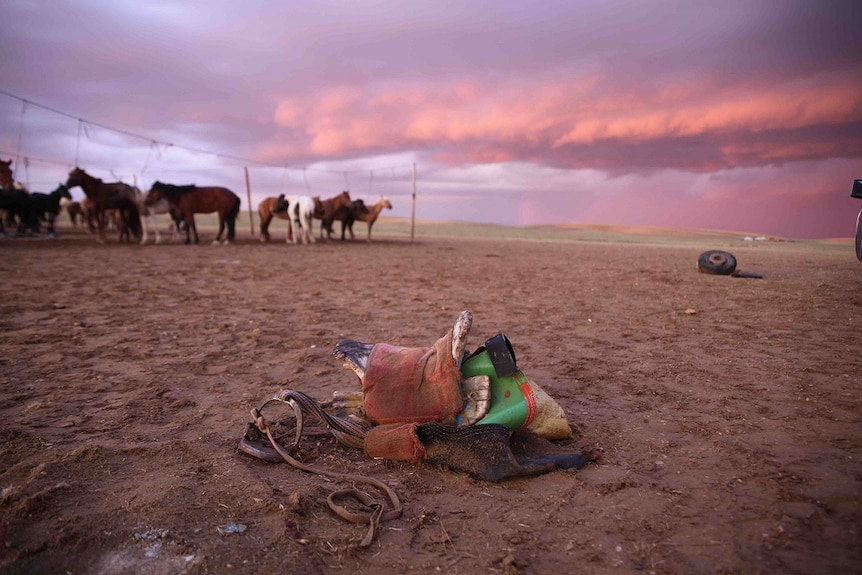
[477, 412]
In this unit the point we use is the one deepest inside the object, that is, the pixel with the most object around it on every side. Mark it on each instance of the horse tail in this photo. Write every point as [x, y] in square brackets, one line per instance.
[234, 211]
[134, 221]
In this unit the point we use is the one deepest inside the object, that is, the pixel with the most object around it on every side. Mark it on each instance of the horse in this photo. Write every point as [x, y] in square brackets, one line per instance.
[47, 206]
[86, 210]
[88, 214]
[368, 215]
[347, 214]
[300, 212]
[15, 203]
[326, 210]
[266, 211]
[191, 200]
[12, 200]
[158, 208]
[105, 196]
[74, 210]
[6, 180]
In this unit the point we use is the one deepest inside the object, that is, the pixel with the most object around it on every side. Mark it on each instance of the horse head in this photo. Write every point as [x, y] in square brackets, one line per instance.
[155, 194]
[77, 177]
[6, 179]
[63, 191]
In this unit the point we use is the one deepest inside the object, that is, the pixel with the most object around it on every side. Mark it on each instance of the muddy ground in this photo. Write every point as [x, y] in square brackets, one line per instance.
[729, 410]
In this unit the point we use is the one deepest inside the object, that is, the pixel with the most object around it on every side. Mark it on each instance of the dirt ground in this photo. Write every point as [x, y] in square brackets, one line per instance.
[729, 410]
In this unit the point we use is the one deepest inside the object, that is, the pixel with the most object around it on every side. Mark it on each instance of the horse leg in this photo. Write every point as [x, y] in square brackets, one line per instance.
[148, 217]
[296, 231]
[295, 226]
[329, 220]
[100, 225]
[176, 222]
[343, 228]
[309, 228]
[190, 228]
[155, 221]
[231, 229]
[326, 223]
[264, 228]
[217, 241]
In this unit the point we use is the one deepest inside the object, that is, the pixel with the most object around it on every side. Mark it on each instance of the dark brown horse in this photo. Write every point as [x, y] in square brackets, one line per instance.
[15, 205]
[326, 210]
[109, 195]
[191, 200]
[75, 211]
[46, 207]
[6, 180]
[10, 198]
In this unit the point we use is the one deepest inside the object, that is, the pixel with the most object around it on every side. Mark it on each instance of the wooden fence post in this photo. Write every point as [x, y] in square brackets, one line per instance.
[413, 208]
[248, 193]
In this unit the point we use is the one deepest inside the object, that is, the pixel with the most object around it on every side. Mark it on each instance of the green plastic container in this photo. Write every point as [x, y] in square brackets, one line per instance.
[512, 402]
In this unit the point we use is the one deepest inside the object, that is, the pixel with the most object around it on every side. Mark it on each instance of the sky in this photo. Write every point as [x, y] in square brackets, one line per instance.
[735, 115]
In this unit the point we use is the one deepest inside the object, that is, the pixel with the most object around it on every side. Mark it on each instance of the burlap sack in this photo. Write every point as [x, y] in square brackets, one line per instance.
[550, 420]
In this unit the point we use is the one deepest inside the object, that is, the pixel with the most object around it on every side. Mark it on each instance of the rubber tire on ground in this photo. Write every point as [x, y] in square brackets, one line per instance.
[859, 236]
[716, 262]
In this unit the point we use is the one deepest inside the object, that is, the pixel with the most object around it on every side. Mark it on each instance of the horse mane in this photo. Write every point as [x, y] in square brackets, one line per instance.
[174, 191]
[80, 172]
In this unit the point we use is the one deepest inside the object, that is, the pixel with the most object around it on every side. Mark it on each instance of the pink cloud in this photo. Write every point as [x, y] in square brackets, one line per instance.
[570, 123]
[748, 109]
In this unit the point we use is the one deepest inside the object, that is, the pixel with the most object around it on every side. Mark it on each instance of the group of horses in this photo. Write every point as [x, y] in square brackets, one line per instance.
[128, 204]
[25, 211]
[125, 205]
[300, 211]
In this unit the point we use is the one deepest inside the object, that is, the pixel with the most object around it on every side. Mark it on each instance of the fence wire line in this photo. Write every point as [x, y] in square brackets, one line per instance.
[83, 123]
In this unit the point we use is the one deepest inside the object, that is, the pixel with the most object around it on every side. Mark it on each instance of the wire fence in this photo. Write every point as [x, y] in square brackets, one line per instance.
[50, 142]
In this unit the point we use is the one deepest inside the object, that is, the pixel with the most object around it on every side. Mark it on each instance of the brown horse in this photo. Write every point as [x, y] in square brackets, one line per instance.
[267, 210]
[106, 196]
[191, 200]
[74, 210]
[326, 211]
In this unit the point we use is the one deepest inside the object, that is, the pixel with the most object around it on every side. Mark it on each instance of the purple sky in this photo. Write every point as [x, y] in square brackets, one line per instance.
[735, 115]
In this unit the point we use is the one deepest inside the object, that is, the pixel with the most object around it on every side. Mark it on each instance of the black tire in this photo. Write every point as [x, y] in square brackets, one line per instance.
[859, 236]
[716, 262]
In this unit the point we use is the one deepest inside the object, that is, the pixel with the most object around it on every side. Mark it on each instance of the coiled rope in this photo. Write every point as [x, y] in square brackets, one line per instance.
[350, 434]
